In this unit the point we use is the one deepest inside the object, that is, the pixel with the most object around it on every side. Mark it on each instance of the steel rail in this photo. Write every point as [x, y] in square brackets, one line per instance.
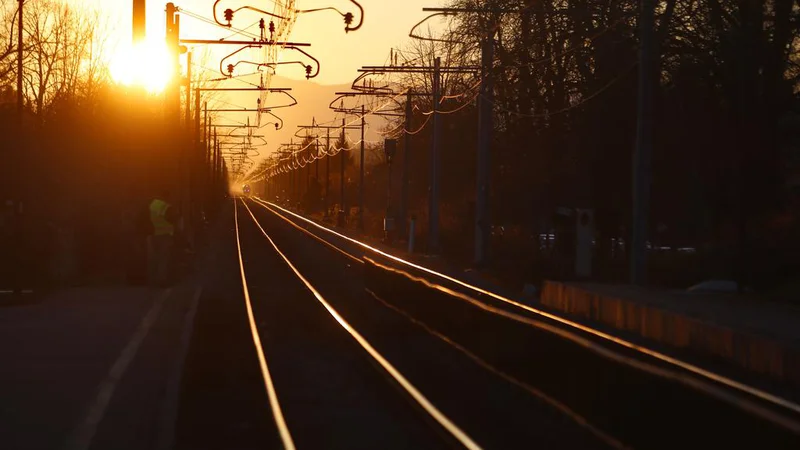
[423, 401]
[280, 421]
[762, 395]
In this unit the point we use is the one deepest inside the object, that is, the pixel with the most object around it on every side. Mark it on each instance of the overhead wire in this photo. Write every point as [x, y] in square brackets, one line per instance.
[428, 114]
[568, 108]
[370, 112]
[237, 31]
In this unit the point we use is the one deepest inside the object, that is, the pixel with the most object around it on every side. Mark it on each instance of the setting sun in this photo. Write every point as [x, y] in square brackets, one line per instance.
[146, 64]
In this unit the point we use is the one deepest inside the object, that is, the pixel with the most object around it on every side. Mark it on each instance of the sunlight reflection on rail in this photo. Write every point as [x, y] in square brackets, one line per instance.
[280, 421]
[765, 396]
[443, 420]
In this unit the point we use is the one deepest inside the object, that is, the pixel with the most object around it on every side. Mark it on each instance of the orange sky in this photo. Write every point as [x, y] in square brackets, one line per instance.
[387, 24]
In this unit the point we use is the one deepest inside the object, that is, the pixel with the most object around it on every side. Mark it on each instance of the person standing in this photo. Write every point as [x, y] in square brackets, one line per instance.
[162, 218]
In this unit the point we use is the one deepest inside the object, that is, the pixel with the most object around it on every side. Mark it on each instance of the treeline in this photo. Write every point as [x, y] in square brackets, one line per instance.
[725, 164]
[88, 155]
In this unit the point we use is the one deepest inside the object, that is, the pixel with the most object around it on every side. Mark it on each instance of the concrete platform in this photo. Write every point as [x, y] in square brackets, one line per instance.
[761, 337]
[92, 368]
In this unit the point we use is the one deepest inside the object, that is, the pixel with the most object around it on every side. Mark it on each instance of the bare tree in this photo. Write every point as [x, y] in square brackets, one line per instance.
[8, 47]
[65, 58]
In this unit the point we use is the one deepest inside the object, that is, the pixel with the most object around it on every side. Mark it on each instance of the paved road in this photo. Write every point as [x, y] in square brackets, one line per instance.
[92, 368]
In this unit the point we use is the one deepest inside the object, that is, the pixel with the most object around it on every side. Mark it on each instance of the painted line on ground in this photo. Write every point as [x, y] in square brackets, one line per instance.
[83, 435]
[169, 412]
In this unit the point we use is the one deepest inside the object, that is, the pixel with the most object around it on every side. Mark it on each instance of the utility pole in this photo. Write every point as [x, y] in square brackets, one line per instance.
[308, 169]
[173, 94]
[197, 117]
[292, 194]
[197, 150]
[187, 152]
[316, 158]
[16, 271]
[294, 171]
[298, 180]
[220, 169]
[485, 127]
[327, 168]
[287, 182]
[433, 206]
[172, 98]
[20, 55]
[328, 128]
[404, 194]
[139, 21]
[216, 165]
[342, 212]
[644, 144]
[436, 70]
[361, 175]
[188, 111]
[206, 153]
[407, 115]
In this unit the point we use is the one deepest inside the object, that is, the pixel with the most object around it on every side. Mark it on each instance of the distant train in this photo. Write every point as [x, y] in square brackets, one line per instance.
[246, 189]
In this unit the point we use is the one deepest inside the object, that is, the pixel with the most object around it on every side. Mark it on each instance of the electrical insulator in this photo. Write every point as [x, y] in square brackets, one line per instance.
[261, 24]
[308, 71]
[348, 19]
[229, 16]
[271, 27]
[230, 69]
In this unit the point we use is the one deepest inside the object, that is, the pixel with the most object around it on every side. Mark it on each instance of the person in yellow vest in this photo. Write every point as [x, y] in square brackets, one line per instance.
[162, 219]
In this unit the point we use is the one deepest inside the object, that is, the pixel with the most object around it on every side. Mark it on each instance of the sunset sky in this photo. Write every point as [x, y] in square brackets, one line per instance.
[387, 25]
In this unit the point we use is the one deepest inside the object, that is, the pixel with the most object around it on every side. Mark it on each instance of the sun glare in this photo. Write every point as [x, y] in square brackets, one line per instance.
[146, 64]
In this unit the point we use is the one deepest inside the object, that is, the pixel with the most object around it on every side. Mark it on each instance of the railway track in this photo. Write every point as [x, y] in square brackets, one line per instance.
[348, 396]
[355, 348]
[626, 394]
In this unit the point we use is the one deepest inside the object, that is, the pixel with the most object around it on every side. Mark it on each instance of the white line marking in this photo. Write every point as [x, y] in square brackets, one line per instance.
[277, 413]
[83, 435]
[443, 420]
[763, 395]
[169, 415]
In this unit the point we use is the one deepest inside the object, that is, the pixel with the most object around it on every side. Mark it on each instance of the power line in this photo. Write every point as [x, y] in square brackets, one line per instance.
[571, 107]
